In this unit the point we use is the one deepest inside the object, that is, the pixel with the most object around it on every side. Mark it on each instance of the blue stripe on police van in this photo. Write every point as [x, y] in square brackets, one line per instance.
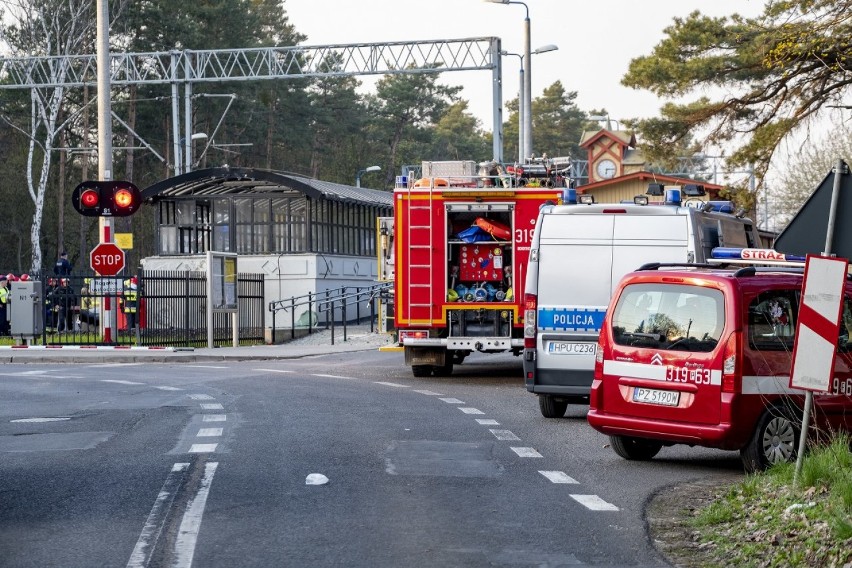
[571, 319]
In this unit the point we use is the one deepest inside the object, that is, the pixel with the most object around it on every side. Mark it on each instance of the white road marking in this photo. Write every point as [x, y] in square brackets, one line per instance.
[154, 525]
[316, 479]
[168, 388]
[207, 366]
[594, 503]
[212, 406]
[209, 432]
[451, 400]
[190, 524]
[527, 453]
[273, 370]
[428, 392]
[392, 385]
[214, 418]
[105, 365]
[120, 382]
[202, 448]
[558, 477]
[487, 421]
[332, 377]
[200, 397]
[469, 410]
[504, 435]
[54, 419]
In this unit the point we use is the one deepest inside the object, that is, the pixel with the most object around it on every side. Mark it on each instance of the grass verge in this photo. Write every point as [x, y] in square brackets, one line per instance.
[768, 521]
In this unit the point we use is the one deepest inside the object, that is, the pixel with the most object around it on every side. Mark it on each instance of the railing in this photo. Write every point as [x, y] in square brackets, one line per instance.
[328, 302]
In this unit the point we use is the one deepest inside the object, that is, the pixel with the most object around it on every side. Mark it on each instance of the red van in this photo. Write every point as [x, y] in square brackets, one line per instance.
[702, 356]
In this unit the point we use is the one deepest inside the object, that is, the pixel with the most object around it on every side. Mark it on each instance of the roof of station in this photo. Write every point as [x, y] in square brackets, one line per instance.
[227, 181]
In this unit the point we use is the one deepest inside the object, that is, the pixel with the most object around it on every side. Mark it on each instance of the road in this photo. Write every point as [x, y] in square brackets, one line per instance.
[192, 464]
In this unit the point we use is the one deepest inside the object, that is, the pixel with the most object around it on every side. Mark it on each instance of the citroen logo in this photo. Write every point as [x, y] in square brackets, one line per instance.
[657, 359]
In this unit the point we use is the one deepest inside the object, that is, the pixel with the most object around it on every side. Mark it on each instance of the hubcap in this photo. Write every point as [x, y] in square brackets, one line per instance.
[779, 441]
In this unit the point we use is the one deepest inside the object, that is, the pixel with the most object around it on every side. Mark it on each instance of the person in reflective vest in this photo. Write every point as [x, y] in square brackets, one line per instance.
[130, 302]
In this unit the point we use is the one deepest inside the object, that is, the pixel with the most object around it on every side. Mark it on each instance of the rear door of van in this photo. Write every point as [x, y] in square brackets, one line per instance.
[582, 257]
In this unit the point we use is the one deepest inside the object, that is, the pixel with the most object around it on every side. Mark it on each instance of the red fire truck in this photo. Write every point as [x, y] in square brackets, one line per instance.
[461, 245]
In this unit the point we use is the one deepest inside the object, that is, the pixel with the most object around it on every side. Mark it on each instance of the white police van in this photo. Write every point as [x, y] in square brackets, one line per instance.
[578, 254]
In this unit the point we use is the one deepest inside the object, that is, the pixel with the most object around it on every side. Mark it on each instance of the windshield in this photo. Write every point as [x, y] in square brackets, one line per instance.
[669, 316]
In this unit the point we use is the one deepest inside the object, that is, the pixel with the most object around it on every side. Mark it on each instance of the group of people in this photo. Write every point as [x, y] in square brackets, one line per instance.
[66, 310]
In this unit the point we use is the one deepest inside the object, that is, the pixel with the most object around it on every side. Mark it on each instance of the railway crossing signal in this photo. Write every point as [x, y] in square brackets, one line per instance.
[106, 198]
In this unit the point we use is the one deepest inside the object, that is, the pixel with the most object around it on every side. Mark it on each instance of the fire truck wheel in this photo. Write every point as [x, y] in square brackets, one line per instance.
[444, 370]
[421, 370]
[550, 407]
[638, 449]
[775, 439]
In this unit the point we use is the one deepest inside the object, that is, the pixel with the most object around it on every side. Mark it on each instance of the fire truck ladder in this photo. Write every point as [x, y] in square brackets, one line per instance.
[419, 311]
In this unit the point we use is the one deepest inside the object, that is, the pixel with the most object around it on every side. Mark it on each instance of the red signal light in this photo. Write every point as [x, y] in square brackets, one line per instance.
[89, 198]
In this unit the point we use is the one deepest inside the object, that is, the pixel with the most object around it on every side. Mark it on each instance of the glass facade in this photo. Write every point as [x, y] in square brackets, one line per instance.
[267, 225]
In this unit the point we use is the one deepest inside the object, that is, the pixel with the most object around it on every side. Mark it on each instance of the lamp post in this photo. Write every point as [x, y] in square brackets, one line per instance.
[185, 165]
[364, 171]
[522, 104]
[528, 144]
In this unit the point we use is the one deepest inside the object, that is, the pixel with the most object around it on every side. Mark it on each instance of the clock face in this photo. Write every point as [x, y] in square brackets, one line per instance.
[606, 169]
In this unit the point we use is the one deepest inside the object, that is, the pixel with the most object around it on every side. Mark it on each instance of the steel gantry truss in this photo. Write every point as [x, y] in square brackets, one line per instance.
[188, 67]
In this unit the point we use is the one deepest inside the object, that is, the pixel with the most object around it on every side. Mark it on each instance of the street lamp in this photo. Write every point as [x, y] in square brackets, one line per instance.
[365, 171]
[521, 103]
[527, 74]
[181, 165]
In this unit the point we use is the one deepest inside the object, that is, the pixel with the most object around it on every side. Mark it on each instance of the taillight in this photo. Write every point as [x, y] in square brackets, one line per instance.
[599, 358]
[732, 364]
[530, 307]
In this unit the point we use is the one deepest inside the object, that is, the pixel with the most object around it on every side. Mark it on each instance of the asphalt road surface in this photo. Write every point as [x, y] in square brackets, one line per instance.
[336, 460]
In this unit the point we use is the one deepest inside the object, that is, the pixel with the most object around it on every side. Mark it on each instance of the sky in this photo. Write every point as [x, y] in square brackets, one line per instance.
[596, 40]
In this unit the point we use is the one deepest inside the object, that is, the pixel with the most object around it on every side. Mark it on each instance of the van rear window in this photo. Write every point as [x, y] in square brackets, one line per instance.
[669, 317]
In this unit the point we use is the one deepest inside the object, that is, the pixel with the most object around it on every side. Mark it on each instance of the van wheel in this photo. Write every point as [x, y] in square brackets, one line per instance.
[550, 407]
[638, 449]
[421, 370]
[775, 440]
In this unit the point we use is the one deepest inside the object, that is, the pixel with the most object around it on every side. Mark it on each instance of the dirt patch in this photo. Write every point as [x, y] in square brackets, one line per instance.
[668, 516]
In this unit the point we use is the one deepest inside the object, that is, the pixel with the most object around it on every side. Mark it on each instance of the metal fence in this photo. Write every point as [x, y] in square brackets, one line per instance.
[170, 310]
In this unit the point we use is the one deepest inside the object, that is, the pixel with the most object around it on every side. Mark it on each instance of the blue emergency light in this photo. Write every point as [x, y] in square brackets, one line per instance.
[754, 255]
[569, 196]
[672, 197]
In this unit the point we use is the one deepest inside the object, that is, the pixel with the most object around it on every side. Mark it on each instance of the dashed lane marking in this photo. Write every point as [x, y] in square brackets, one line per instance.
[120, 382]
[558, 477]
[487, 421]
[202, 448]
[208, 366]
[594, 503]
[46, 419]
[504, 435]
[332, 377]
[428, 393]
[469, 410]
[392, 385]
[527, 453]
[273, 370]
[209, 432]
[451, 400]
[212, 406]
[214, 418]
[168, 388]
[200, 397]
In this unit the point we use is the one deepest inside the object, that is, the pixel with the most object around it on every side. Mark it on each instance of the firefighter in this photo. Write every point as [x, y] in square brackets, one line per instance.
[130, 302]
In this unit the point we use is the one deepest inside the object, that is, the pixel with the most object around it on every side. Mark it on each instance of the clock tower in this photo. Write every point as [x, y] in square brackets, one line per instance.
[606, 152]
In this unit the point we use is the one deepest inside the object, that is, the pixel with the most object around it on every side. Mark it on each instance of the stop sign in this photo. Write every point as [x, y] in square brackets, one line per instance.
[107, 259]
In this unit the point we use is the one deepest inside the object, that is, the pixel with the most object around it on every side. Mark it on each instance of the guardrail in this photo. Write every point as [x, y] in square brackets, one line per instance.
[328, 302]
